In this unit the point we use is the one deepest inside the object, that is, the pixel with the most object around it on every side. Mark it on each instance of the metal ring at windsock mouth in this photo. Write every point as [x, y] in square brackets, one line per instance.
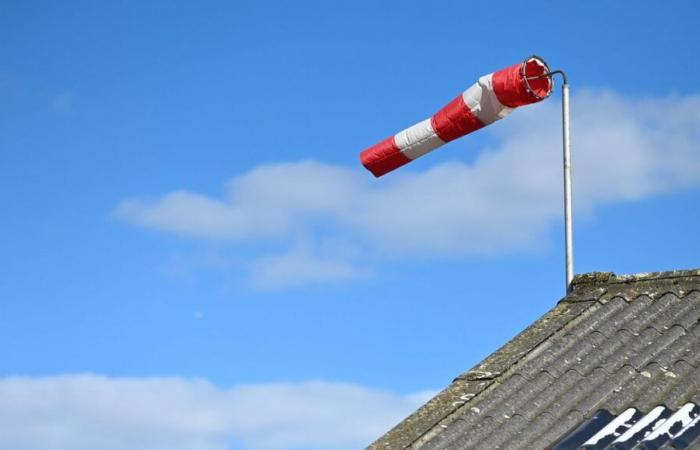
[544, 74]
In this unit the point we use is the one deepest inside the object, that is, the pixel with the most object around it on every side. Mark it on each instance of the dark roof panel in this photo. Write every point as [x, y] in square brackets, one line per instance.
[583, 432]
[639, 430]
[632, 429]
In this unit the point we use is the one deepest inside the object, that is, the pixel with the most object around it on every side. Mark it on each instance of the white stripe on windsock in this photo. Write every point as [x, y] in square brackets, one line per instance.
[417, 140]
[483, 102]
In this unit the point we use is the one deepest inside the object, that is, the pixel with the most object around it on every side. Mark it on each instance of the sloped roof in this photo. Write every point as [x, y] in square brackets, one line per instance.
[613, 344]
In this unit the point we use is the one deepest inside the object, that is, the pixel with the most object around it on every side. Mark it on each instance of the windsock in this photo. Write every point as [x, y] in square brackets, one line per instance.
[492, 98]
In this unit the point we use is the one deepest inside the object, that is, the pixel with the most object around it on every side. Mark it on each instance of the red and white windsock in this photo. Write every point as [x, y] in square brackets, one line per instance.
[492, 98]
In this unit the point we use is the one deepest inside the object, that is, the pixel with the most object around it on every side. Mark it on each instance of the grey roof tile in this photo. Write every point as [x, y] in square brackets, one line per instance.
[547, 429]
[612, 344]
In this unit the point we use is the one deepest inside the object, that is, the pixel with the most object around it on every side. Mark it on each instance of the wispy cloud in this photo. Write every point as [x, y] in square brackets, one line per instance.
[505, 202]
[300, 268]
[76, 412]
[62, 103]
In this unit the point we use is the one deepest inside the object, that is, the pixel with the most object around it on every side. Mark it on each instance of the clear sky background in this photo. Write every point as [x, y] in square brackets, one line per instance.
[193, 257]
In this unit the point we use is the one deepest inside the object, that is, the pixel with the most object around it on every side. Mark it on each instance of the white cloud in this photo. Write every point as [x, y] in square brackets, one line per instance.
[506, 201]
[85, 412]
[195, 215]
[299, 268]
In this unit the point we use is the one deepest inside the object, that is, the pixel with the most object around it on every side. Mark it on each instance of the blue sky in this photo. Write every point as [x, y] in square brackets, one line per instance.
[185, 221]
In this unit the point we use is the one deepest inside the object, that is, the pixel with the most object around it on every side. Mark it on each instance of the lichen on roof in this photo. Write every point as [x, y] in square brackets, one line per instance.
[594, 278]
[597, 300]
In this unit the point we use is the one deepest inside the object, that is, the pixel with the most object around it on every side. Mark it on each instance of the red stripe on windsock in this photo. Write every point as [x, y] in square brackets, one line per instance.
[455, 120]
[383, 157]
[511, 90]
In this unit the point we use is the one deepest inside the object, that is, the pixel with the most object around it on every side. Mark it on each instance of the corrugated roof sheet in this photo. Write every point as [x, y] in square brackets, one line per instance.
[613, 344]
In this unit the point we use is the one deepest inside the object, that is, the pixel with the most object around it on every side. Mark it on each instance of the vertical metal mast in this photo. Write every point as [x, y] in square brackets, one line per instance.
[566, 137]
[568, 226]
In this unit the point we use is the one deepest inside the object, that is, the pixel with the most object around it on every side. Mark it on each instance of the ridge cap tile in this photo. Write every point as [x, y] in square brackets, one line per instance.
[607, 278]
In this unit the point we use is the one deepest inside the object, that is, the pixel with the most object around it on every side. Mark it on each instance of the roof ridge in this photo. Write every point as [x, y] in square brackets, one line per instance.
[602, 278]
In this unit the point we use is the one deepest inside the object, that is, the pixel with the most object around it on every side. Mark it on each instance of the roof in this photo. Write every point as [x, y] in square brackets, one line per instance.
[616, 345]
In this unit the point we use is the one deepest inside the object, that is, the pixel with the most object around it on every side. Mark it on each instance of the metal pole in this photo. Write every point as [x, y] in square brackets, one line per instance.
[568, 223]
[568, 226]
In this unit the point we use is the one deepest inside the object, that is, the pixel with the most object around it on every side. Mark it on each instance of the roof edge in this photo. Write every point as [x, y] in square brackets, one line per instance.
[607, 278]
[444, 408]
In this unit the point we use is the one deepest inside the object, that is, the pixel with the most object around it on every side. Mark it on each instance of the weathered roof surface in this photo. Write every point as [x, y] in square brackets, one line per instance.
[613, 343]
